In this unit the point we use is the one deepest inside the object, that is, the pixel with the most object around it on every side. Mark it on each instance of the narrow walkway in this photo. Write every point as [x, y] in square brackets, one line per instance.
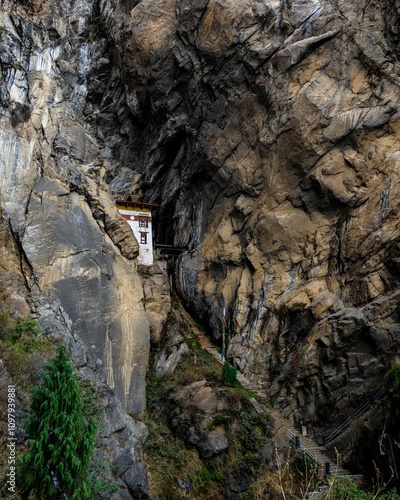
[304, 443]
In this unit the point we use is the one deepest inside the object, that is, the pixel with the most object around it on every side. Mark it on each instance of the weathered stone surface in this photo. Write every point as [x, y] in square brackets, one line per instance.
[56, 200]
[13, 288]
[67, 255]
[238, 484]
[268, 133]
[269, 136]
[157, 298]
[116, 227]
[215, 443]
[205, 402]
[168, 359]
[172, 345]
[136, 479]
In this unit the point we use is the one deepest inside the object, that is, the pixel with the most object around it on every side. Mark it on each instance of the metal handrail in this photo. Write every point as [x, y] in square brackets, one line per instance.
[360, 410]
[306, 450]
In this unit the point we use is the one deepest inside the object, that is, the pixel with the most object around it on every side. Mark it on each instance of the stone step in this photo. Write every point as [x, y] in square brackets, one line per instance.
[315, 451]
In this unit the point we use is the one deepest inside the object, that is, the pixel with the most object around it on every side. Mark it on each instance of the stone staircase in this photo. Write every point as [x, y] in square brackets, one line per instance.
[315, 452]
[326, 465]
[361, 410]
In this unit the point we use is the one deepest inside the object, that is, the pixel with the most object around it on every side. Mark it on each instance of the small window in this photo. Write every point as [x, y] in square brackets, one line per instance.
[143, 222]
[143, 238]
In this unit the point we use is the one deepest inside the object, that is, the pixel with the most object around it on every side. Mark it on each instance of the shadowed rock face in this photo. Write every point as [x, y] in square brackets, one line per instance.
[269, 133]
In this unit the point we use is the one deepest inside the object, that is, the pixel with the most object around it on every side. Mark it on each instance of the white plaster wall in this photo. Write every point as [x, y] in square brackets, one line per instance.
[145, 250]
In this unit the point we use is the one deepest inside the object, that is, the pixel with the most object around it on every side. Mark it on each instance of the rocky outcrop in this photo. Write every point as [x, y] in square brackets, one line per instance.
[157, 298]
[79, 253]
[193, 409]
[67, 257]
[13, 288]
[268, 134]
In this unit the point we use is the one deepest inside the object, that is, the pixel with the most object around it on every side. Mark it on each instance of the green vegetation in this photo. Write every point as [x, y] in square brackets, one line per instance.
[254, 429]
[20, 343]
[61, 438]
[345, 488]
[90, 399]
[229, 374]
[28, 325]
[167, 455]
[97, 28]
[101, 485]
[212, 474]
[251, 459]
[392, 399]
[297, 477]
[145, 272]
[25, 350]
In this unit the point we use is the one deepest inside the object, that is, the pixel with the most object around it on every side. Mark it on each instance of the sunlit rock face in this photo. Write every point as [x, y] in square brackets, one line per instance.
[78, 255]
[269, 133]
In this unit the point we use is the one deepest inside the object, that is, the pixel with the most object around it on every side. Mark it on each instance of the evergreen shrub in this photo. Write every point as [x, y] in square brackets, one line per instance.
[61, 439]
[229, 374]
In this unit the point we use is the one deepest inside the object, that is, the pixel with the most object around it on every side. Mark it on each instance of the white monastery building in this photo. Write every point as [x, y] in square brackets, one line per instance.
[138, 216]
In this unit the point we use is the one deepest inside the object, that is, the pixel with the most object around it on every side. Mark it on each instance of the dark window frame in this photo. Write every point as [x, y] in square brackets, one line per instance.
[143, 221]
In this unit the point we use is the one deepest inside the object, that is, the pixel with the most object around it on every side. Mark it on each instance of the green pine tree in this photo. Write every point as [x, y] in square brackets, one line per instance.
[61, 440]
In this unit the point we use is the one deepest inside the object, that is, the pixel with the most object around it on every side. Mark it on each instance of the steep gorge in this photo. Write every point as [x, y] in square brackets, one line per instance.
[268, 133]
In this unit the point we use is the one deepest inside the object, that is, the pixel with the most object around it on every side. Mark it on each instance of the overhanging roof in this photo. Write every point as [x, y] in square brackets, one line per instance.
[137, 204]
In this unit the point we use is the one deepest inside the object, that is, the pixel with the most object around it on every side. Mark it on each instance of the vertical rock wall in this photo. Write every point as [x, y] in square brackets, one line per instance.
[79, 254]
[269, 135]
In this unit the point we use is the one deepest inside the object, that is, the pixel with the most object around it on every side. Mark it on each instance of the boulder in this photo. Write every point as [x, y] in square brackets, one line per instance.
[136, 480]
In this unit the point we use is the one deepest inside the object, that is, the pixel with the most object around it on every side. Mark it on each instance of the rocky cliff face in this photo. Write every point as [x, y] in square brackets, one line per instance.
[267, 132]
[67, 257]
[78, 254]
